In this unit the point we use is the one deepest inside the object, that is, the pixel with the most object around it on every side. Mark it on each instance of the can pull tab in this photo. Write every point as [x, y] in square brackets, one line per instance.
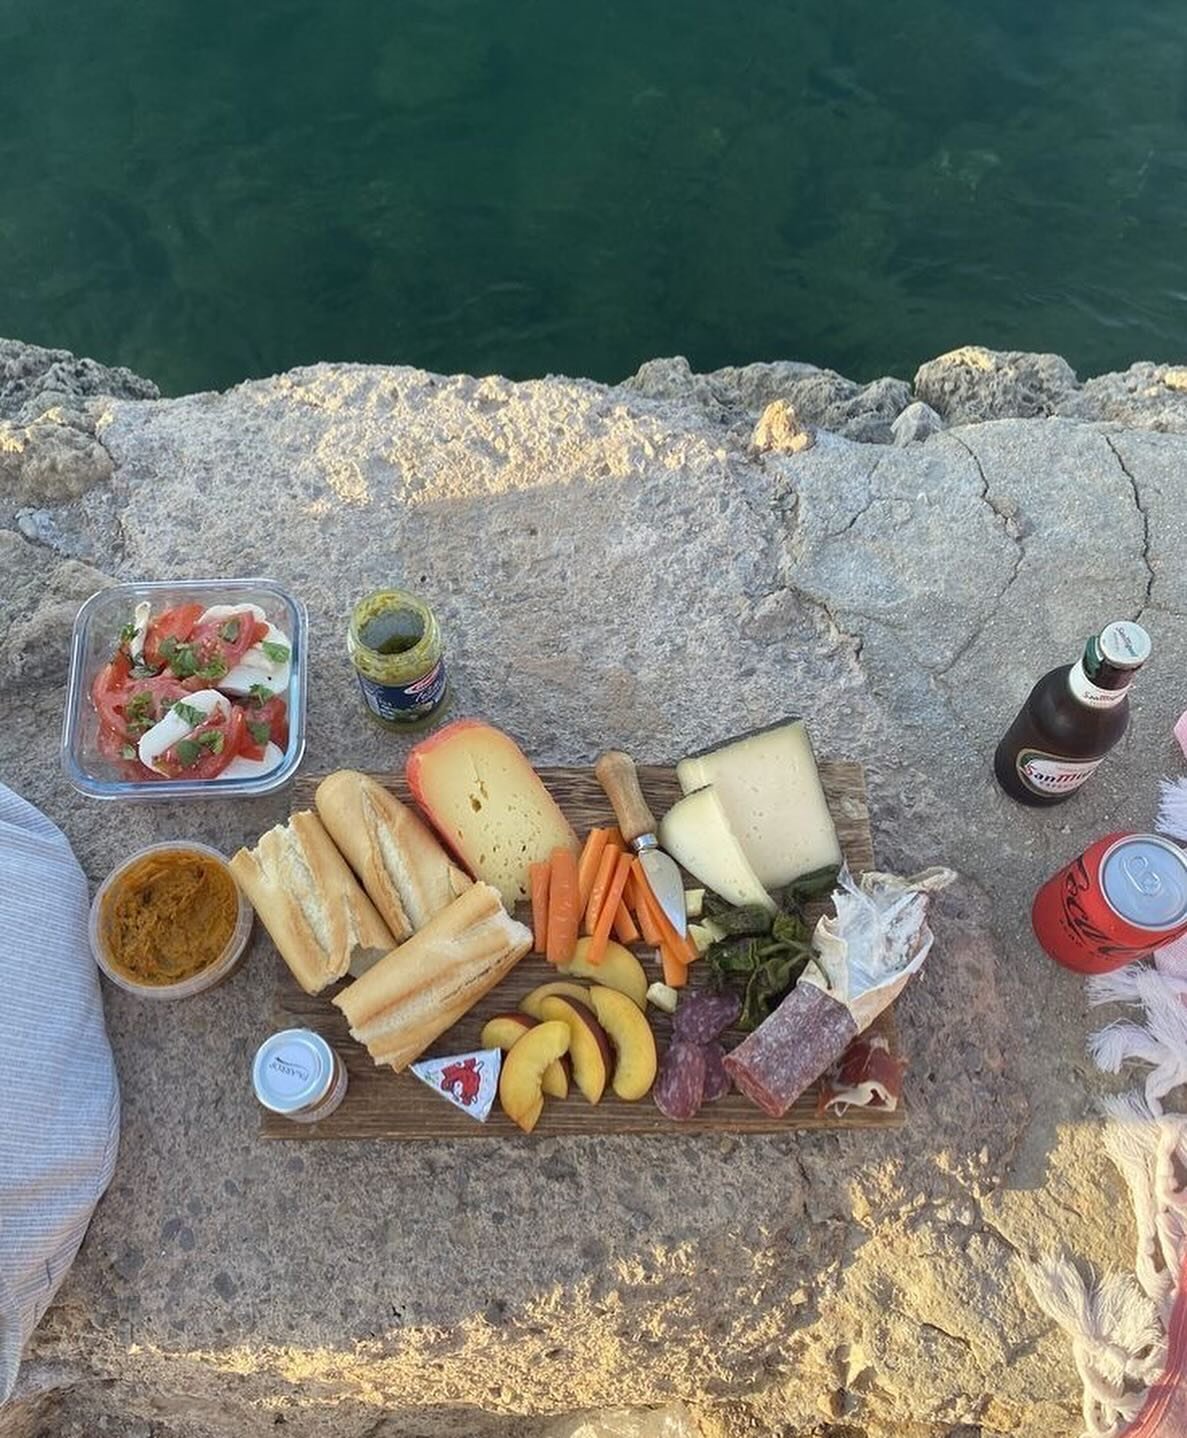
[1142, 875]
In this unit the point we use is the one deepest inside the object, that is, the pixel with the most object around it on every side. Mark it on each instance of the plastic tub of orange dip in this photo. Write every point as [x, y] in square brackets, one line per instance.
[170, 921]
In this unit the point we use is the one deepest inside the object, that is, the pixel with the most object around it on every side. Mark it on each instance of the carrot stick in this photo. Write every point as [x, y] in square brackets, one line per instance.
[563, 909]
[675, 973]
[681, 948]
[591, 857]
[624, 926]
[614, 836]
[539, 874]
[651, 933]
[597, 895]
[601, 934]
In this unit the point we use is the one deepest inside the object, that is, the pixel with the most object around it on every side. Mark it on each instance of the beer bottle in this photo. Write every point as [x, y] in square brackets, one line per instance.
[1073, 717]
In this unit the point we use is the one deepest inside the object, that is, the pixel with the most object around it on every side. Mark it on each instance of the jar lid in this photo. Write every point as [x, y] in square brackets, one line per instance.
[292, 1070]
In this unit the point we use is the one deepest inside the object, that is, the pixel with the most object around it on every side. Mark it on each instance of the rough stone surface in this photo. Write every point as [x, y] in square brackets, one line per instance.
[972, 384]
[33, 380]
[1153, 396]
[779, 430]
[917, 422]
[613, 566]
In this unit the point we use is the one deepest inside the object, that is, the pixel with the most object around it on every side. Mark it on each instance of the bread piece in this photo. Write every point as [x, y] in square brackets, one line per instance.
[407, 874]
[421, 989]
[309, 901]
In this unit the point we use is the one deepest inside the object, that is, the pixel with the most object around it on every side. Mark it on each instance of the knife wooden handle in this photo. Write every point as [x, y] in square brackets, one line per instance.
[618, 776]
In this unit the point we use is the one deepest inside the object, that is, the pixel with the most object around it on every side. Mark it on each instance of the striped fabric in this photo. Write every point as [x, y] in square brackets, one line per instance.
[59, 1103]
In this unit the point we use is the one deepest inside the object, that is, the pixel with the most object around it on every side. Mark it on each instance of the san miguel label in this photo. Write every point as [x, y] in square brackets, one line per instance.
[1049, 774]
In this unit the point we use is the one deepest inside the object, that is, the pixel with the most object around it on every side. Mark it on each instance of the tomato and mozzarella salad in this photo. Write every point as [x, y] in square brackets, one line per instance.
[195, 693]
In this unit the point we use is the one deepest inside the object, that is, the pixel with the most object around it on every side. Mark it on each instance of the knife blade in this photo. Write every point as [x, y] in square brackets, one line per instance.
[618, 776]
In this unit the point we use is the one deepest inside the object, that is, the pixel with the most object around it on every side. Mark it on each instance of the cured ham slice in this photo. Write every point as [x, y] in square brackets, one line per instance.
[868, 1076]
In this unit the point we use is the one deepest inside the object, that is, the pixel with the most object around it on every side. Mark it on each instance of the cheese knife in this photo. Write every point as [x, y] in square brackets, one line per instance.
[618, 776]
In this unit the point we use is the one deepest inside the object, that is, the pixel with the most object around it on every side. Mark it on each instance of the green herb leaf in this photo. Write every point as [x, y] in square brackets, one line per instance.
[212, 739]
[259, 694]
[192, 715]
[214, 668]
[189, 751]
[127, 634]
[143, 671]
[278, 653]
[816, 885]
[138, 712]
[789, 929]
[230, 630]
[128, 751]
[261, 733]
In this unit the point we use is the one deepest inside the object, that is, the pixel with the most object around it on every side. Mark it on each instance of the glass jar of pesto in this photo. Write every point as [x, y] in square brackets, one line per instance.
[395, 646]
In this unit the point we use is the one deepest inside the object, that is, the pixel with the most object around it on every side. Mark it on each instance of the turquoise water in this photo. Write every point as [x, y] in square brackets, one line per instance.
[215, 190]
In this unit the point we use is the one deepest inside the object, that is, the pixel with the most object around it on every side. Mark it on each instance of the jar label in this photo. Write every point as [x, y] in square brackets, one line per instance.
[1049, 774]
[405, 702]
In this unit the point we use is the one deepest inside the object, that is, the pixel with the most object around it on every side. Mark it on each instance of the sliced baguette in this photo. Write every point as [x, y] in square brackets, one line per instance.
[422, 988]
[407, 874]
[309, 901]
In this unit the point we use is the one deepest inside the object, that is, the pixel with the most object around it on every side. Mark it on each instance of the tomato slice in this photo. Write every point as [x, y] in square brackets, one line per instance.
[108, 691]
[212, 648]
[176, 624]
[207, 750]
[128, 706]
[112, 745]
[272, 714]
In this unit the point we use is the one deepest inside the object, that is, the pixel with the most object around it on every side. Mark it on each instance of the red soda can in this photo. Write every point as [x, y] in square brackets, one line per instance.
[1123, 897]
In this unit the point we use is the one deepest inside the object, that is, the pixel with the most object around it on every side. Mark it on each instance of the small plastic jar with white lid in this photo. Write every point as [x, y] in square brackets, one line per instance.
[298, 1075]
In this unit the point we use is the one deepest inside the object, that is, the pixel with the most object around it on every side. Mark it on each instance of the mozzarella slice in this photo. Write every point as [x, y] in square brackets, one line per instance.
[256, 668]
[224, 611]
[167, 731]
[243, 768]
[140, 618]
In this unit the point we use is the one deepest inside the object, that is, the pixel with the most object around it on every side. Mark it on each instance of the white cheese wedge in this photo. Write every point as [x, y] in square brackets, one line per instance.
[174, 726]
[242, 767]
[140, 617]
[773, 800]
[697, 834]
[257, 668]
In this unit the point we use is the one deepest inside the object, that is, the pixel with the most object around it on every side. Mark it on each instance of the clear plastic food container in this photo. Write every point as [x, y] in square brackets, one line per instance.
[96, 633]
[213, 973]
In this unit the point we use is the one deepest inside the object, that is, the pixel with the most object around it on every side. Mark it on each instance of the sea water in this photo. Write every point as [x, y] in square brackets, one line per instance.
[206, 192]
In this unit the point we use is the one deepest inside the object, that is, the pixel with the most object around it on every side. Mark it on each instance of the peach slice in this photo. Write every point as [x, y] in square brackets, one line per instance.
[521, 1083]
[505, 1030]
[530, 1004]
[589, 1048]
[618, 970]
[634, 1043]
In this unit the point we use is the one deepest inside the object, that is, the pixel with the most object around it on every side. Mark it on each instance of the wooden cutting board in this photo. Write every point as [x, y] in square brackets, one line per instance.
[381, 1104]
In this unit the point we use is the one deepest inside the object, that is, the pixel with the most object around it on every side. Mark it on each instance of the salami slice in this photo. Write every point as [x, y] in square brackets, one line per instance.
[806, 1034]
[702, 1016]
[717, 1082]
[681, 1082]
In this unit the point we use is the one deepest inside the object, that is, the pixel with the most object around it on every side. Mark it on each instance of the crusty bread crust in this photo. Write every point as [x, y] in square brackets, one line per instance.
[309, 901]
[422, 988]
[407, 874]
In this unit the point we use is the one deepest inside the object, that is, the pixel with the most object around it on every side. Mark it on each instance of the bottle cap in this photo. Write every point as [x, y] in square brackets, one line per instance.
[1123, 644]
[292, 1070]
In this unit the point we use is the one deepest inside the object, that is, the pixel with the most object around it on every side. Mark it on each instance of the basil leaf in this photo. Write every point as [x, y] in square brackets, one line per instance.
[127, 634]
[192, 715]
[214, 668]
[128, 751]
[212, 739]
[259, 694]
[181, 658]
[138, 712]
[230, 630]
[143, 671]
[189, 751]
[261, 733]
[278, 653]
